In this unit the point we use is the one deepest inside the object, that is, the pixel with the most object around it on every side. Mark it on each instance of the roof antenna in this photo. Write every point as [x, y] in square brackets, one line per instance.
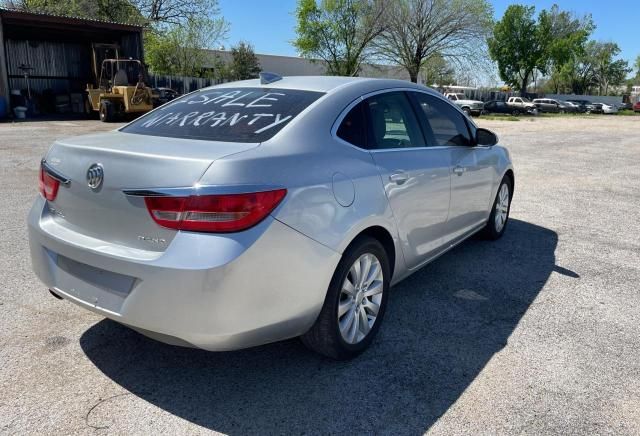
[266, 78]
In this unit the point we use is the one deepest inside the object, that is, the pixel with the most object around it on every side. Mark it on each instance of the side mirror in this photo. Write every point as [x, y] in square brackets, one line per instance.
[486, 137]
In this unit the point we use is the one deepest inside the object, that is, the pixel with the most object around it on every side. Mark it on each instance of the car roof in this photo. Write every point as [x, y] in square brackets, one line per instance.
[326, 84]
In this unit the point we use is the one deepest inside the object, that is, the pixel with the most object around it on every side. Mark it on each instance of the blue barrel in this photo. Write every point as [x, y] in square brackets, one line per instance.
[3, 107]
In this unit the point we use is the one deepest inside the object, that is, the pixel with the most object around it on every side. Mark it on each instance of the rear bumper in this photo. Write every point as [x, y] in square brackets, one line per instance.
[216, 292]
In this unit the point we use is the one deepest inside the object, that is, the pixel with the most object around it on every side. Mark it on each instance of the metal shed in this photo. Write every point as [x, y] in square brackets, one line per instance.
[53, 58]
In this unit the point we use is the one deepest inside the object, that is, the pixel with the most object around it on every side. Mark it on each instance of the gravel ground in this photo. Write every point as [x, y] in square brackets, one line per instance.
[537, 333]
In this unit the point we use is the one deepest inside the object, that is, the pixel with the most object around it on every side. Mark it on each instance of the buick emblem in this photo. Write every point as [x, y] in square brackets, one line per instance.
[95, 174]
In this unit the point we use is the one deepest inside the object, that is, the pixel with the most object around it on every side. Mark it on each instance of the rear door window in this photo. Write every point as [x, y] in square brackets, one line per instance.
[226, 114]
[392, 122]
[444, 124]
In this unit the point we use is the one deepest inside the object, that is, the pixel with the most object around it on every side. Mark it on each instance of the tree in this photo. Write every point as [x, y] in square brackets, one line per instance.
[179, 50]
[518, 47]
[417, 30]
[565, 37]
[339, 32]
[436, 70]
[122, 11]
[636, 65]
[607, 71]
[177, 12]
[244, 64]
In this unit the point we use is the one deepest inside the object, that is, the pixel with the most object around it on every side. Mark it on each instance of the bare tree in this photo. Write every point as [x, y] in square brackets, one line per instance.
[176, 11]
[417, 30]
[339, 32]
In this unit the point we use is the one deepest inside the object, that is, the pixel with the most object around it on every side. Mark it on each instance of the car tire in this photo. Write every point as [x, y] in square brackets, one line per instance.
[499, 216]
[106, 111]
[515, 112]
[326, 336]
[467, 111]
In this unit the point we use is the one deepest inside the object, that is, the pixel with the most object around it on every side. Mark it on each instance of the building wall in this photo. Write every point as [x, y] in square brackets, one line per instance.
[297, 66]
[4, 83]
[592, 98]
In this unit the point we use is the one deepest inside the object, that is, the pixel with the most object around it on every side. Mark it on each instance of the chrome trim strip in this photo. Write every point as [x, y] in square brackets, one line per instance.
[199, 190]
[54, 174]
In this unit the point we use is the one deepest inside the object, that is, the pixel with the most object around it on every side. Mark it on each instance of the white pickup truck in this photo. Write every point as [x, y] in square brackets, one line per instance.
[521, 105]
[470, 107]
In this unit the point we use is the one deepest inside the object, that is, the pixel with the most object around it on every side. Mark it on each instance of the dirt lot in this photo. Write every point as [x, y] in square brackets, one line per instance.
[538, 333]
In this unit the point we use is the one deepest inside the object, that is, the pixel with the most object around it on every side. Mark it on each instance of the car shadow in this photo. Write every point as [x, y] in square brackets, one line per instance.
[442, 326]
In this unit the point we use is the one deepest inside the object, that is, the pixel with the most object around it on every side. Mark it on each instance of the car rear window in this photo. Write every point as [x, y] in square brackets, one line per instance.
[225, 114]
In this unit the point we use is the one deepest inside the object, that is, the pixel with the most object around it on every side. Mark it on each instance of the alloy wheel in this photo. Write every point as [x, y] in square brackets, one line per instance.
[502, 207]
[360, 298]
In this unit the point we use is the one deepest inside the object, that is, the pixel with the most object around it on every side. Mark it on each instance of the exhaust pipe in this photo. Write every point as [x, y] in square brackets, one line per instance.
[55, 295]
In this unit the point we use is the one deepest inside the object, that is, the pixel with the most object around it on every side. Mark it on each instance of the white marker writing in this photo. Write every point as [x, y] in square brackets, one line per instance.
[233, 102]
[233, 120]
[205, 116]
[275, 123]
[153, 121]
[264, 97]
[172, 119]
[257, 117]
[218, 118]
[186, 117]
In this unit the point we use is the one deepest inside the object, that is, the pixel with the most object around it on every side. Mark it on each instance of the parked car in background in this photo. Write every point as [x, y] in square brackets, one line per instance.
[164, 95]
[636, 106]
[625, 106]
[603, 108]
[469, 107]
[571, 107]
[500, 107]
[266, 209]
[521, 105]
[585, 105]
[549, 105]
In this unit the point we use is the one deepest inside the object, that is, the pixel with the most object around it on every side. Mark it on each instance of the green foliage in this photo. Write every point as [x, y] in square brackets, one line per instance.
[436, 70]
[607, 70]
[339, 32]
[244, 64]
[122, 11]
[178, 50]
[636, 66]
[523, 45]
[593, 70]
[183, 30]
[517, 47]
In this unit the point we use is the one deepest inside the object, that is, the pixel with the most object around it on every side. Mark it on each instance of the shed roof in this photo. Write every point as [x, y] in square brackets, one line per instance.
[13, 16]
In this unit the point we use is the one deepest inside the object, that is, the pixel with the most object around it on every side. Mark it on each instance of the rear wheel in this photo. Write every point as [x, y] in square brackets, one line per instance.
[355, 302]
[106, 111]
[467, 111]
[497, 223]
[515, 112]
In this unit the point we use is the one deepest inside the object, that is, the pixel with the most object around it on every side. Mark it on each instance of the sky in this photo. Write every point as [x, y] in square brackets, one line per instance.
[269, 25]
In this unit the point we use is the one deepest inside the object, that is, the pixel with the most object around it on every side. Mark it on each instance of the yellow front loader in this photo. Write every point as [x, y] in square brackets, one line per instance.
[121, 90]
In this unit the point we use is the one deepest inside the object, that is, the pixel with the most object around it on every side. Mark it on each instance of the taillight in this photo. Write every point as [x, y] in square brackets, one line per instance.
[48, 185]
[214, 213]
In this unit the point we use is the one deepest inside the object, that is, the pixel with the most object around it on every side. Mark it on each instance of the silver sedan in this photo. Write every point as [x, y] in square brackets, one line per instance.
[261, 210]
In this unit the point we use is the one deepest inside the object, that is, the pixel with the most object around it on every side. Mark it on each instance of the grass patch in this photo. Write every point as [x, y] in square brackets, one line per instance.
[628, 113]
[499, 117]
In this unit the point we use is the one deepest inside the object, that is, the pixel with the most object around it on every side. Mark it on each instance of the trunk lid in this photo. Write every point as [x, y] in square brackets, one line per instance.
[129, 161]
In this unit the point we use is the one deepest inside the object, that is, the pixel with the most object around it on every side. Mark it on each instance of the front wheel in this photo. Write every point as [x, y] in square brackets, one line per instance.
[355, 302]
[106, 111]
[497, 223]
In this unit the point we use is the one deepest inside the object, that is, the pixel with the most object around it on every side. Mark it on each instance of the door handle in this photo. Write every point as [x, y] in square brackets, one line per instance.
[459, 170]
[399, 177]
